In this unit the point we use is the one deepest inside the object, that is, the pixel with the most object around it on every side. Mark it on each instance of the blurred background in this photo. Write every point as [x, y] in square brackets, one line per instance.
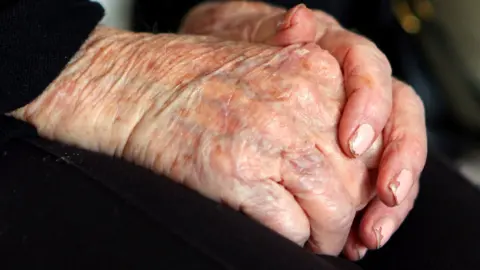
[434, 45]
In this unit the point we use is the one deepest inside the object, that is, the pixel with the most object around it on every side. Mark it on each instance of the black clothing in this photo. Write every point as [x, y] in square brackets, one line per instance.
[61, 208]
[37, 39]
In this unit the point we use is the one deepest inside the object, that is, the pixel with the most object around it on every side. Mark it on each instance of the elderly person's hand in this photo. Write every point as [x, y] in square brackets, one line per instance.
[250, 125]
[368, 112]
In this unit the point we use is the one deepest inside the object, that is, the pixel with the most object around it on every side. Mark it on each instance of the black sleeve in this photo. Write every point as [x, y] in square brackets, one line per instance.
[37, 39]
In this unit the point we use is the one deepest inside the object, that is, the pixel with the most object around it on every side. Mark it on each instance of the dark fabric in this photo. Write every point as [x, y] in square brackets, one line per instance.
[56, 217]
[63, 208]
[68, 209]
[442, 232]
[37, 39]
[11, 128]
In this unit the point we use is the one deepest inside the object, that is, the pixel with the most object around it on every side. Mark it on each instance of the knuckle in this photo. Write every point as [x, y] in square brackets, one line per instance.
[412, 144]
[338, 218]
[418, 103]
[362, 40]
[415, 101]
[274, 210]
[417, 144]
[402, 87]
[296, 233]
[418, 150]
[357, 39]
[405, 137]
[300, 87]
[378, 57]
[382, 60]
[321, 60]
[380, 105]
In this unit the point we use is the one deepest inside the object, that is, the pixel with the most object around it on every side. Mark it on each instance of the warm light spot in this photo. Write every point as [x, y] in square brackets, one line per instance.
[411, 24]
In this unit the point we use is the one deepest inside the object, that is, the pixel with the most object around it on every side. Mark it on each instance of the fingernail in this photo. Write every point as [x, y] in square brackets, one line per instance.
[383, 230]
[287, 20]
[361, 139]
[361, 251]
[400, 186]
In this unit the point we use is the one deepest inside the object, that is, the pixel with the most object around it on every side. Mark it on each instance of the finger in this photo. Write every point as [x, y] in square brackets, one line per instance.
[297, 25]
[380, 221]
[405, 152]
[278, 28]
[277, 209]
[368, 85]
[354, 248]
[253, 22]
[308, 176]
[227, 19]
[371, 157]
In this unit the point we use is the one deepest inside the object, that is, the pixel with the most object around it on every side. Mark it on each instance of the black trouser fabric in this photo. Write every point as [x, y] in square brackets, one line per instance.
[68, 209]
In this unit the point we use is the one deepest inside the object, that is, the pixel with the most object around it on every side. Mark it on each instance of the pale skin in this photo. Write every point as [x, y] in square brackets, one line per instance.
[370, 91]
[249, 125]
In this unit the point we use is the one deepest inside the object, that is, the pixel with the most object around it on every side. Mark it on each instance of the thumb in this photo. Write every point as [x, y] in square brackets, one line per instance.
[296, 25]
[253, 22]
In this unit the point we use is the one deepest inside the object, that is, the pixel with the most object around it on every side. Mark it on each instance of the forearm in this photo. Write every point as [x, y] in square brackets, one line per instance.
[115, 79]
[84, 103]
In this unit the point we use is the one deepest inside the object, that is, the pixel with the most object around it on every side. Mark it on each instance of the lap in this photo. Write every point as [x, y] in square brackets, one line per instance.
[63, 207]
[442, 230]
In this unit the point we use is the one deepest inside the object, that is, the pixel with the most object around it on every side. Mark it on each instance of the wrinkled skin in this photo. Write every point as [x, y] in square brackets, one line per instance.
[252, 126]
[370, 92]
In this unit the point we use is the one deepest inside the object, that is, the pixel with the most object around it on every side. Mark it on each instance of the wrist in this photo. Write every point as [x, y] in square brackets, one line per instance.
[115, 80]
[90, 100]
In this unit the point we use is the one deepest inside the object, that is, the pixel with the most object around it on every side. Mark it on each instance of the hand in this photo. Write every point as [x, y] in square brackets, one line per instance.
[367, 72]
[370, 91]
[252, 126]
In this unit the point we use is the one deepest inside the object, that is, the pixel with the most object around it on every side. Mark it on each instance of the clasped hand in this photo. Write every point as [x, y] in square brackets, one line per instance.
[376, 107]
